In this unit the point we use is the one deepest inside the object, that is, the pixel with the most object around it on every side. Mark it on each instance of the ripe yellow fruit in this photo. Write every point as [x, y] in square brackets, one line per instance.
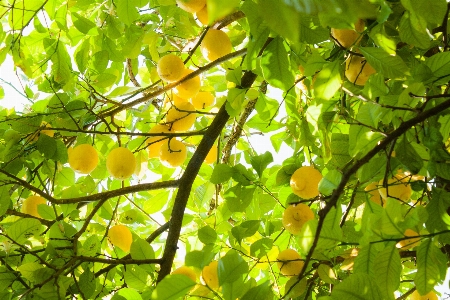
[409, 243]
[120, 236]
[215, 44]
[30, 205]
[83, 158]
[154, 143]
[173, 153]
[289, 262]
[120, 163]
[34, 136]
[375, 196]
[348, 37]
[358, 70]
[184, 270]
[191, 6]
[295, 216]
[211, 157]
[202, 15]
[203, 100]
[210, 275]
[170, 68]
[174, 100]
[398, 187]
[188, 88]
[181, 117]
[430, 296]
[305, 182]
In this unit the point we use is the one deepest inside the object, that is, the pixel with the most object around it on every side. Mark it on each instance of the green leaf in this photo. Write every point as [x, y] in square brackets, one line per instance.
[328, 81]
[275, 65]
[258, 37]
[431, 11]
[362, 139]
[100, 60]
[369, 114]
[66, 177]
[231, 267]
[128, 294]
[207, 235]
[27, 270]
[260, 162]
[126, 11]
[330, 182]
[90, 247]
[260, 292]
[381, 38]
[408, 156]
[87, 283]
[365, 261]
[81, 23]
[388, 65]
[390, 218]
[339, 150]
[221, 173]
[387, 271]
[281, 18]
[413, 30]
[46, 212]
[218, 9]
[141, 249]
[5, 199]
[104, 80]
[430, 270]
[172, 287]
[7, 278]
[238, 198]
[437, 207]
[246, 229]
[136, 277]
[261, 247]
[331, 232]
[439, 65]
[22, 229]
[357, 287]
[46, 145]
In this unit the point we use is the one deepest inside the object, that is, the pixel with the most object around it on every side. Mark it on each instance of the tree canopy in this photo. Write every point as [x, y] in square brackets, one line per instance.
[129, 176]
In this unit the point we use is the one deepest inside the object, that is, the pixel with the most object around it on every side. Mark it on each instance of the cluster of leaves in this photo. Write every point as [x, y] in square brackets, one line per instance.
[88, 68]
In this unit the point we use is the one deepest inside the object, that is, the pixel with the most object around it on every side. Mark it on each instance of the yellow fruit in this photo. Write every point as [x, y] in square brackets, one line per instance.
[430, 296]
[181, 117]
[289, 262]
[398, 187]
[358, 70]
[295, 216]
[183, 270]
[202, 15]
[211, 157]
[305, 182]
[409, 243]
[173, 153]
[30, 205]
[348, 37]
[120, 236]
[188, 88]
[34, 137]
[375, 196]
[170, 68]
[176, 100]
[210, 275]
[120, 163]
[215, 44]
[154, 143]
[191, 6]
[202, 100]
[83, 158]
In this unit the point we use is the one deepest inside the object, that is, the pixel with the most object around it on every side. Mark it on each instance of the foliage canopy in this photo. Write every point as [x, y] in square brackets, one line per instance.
[379, 138]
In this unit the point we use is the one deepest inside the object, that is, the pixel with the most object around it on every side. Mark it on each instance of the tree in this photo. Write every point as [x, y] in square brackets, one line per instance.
[364, 86]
